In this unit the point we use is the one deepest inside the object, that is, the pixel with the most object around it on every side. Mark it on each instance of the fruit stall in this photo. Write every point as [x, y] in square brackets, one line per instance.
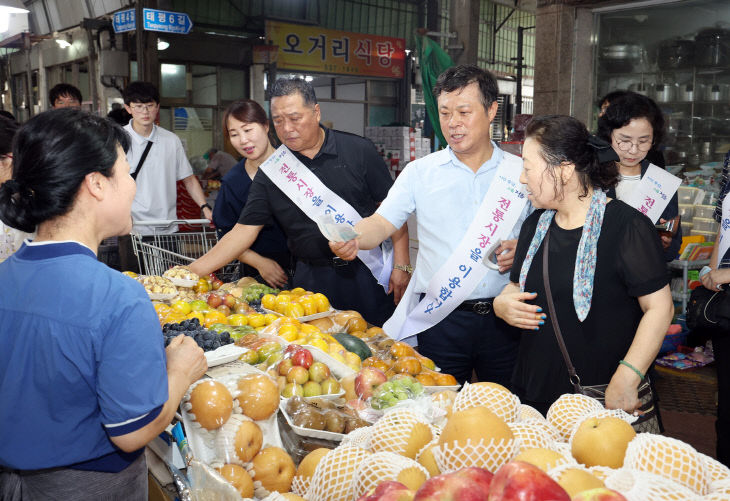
[302, 401]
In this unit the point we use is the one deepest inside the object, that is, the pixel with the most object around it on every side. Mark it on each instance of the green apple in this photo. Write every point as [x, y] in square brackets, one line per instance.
[312, 389]
[292, 389]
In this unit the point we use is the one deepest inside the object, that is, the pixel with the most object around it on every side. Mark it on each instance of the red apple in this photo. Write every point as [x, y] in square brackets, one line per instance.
[599, 494]
[520, 481]
[216, 284]
[467, 484]
[214, 300]
[297, 374]
[224, 309]
[303, 358]
[230, 300]
[390, 490]
[367, 380]
[318, 372]
[290, 350]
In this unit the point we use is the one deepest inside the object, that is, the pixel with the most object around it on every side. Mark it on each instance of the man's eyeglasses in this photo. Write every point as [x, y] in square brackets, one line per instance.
[143, 107]
[8, 156]
[641, 145]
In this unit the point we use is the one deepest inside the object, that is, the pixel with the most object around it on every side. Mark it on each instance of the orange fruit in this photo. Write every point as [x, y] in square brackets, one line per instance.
[400, 349]
[444, 379]
[426, 379]
[408, 365]
[237, 319]
[182, 307]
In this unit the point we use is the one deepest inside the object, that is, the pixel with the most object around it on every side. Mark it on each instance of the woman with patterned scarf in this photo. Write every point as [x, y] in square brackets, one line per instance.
[606, 273]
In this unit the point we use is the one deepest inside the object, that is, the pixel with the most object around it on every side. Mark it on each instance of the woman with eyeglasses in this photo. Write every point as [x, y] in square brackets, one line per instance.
[633, 124]
[10, 238]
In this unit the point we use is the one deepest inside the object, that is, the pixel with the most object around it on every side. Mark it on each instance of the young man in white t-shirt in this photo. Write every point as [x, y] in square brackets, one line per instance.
[164, 165]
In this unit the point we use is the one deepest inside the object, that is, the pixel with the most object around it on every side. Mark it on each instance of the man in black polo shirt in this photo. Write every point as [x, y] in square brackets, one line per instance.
[347, 164]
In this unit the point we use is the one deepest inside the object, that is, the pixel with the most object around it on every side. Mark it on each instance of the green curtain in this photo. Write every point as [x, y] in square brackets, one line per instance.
[433, 62]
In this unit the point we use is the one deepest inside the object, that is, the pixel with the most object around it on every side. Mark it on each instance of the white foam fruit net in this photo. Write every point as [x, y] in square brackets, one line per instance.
[715, 496]
[638, 485]
[334, 477]
[482, 454]
[392, 432]
[568, 410]
[359, 437]
[718, 471]
[528, 436]
[494, 397]
[721, 487]
[669, 458]
[225, 441]
[300, 485]
[380, 467]
[525, 412]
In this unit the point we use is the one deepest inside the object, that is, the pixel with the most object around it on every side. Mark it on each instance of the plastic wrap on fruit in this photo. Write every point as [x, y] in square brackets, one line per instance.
[209, 403]
[322, 414]
[239, 440]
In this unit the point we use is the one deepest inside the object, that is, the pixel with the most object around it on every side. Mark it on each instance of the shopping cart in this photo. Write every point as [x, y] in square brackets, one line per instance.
[160, 251]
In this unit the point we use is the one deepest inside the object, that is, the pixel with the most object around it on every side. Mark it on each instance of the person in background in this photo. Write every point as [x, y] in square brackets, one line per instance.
[219, 163]
[119, 114]
[653, 155]
[157, 161]
[634, 124]
[247, 128]
[445, 190]
[716, 276]
[89, 383]
[351, 167]
[64, 95]
[606, 273]
[10, 238]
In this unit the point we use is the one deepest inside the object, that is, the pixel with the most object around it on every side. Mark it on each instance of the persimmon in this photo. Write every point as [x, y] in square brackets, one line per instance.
[407, 365]
[400, 349]
[426, 379]
[445, 379]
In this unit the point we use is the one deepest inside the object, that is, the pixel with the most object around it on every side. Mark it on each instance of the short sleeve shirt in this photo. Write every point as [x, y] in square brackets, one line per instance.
[347, 164]
[166, 163]
[445, 195]
[629, 264]
[82, 359]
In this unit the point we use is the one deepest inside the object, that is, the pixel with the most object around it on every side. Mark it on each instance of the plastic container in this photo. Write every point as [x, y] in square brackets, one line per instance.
[686, 228]
[687, 211]
[689, 194]
[704, 224]
[709, 235]
[704, 211]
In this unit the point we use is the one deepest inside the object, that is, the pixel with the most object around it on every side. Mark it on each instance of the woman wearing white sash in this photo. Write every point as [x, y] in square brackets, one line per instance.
[716, 277]
[606, 273]
[634, 124]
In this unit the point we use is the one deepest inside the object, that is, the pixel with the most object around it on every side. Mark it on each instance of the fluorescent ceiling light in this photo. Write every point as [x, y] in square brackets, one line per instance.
[162, 45]
[63, 43]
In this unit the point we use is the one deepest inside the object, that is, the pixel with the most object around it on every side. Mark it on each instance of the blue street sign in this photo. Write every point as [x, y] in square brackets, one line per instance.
[124, 21]
[166, 21]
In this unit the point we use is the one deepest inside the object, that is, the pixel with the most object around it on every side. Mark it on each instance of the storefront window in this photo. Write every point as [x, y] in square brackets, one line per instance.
[173, 80]
[205, 85]
[233, 84]
[677, 55]
[194, 127]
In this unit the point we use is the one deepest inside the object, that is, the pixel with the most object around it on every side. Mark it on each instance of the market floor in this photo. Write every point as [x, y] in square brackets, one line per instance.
[688, 405]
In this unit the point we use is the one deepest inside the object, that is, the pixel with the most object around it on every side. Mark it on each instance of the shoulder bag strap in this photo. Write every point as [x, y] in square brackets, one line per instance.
[573, 376]
[141, 160]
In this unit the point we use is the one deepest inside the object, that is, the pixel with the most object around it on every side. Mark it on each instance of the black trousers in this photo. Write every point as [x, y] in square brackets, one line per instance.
[349, 287]
[721, 349]
[466, 342]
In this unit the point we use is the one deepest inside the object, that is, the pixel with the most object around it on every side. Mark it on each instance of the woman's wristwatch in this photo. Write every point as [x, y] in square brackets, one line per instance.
[204, 206]
[404, 267]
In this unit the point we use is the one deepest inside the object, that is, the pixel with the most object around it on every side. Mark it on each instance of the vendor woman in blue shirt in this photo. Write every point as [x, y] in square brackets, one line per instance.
[246, 126]
[85, 382]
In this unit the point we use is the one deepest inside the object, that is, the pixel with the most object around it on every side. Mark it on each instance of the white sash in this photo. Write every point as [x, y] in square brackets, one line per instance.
[724, 240]
[654, 192]
[317, 201]
[468, 264]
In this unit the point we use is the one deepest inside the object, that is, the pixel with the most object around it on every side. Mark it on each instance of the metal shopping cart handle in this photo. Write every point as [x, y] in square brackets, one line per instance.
[169, 222]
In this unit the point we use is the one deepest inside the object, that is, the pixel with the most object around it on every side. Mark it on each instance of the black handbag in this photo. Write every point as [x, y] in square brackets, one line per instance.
[708, 310]
[648, 421]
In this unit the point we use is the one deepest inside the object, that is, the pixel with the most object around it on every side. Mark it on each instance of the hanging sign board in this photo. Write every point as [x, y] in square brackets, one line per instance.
[315, 49]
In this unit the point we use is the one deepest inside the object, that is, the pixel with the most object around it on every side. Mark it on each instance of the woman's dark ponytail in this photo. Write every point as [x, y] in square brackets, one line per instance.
[565, 139]
[52, 154]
